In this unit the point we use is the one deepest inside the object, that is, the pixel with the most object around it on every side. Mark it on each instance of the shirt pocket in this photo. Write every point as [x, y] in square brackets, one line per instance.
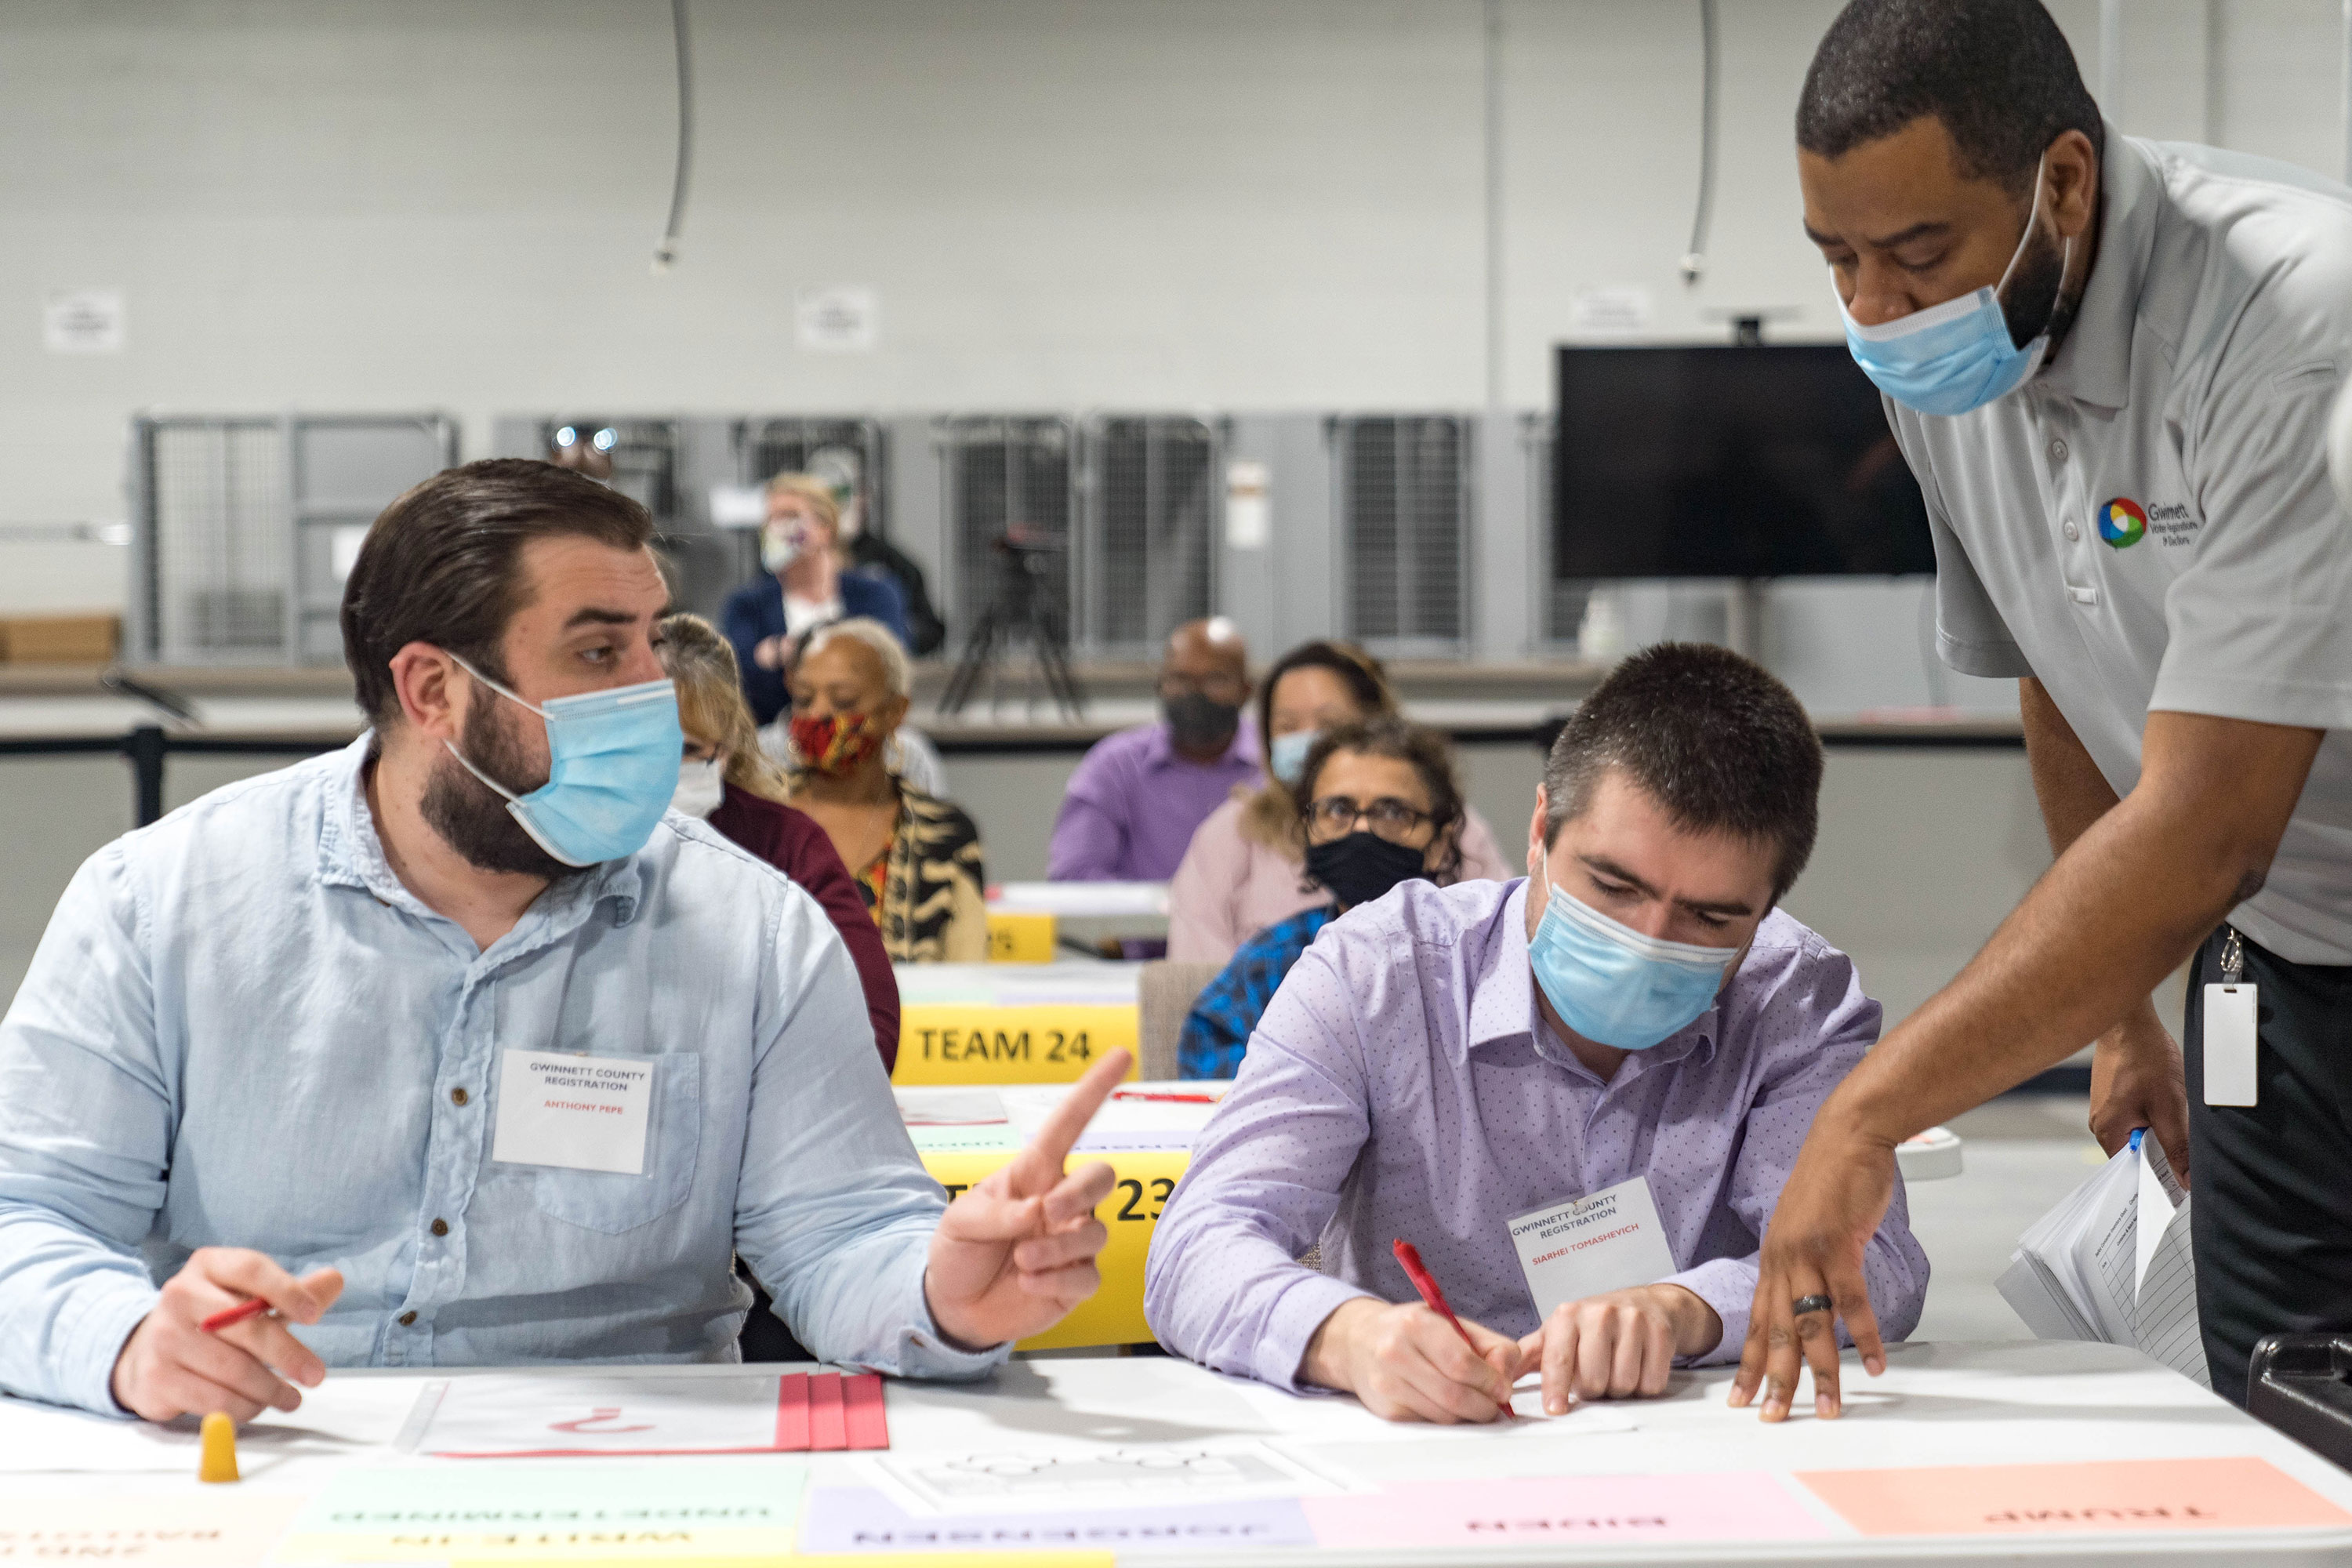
[609, 1201]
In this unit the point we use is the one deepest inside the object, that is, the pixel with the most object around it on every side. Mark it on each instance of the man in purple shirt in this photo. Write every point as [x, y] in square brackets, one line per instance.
[1633, 1034]
[1132, 805]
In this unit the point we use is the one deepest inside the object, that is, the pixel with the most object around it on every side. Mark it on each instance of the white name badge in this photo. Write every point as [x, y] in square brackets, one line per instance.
[2230, 1052]
[587, 1113]
[1591, 1246]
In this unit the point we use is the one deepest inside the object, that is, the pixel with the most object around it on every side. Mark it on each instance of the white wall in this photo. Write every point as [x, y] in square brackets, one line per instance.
[1220, 203]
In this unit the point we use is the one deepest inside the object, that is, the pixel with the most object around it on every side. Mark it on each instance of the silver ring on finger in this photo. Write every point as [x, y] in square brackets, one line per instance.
[1815, 1303]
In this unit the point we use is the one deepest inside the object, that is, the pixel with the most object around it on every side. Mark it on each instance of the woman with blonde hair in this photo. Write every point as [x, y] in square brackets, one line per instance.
[727, 782]
[1246, 868]
[804, 585]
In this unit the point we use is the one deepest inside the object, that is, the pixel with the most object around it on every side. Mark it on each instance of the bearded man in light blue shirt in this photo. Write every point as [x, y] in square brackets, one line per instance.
[308, 1039]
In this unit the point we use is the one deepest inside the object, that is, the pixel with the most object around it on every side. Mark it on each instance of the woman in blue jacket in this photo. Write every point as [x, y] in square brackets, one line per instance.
[804, 586]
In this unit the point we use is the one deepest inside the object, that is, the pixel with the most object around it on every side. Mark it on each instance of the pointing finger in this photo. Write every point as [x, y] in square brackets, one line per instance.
[1040, 1161]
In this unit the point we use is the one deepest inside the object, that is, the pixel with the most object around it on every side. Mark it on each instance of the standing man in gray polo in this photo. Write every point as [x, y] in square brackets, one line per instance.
[2110, 363]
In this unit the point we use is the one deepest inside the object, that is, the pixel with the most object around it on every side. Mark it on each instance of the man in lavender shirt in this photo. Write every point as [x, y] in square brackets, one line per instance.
[1443, 1062]
[1136, 796]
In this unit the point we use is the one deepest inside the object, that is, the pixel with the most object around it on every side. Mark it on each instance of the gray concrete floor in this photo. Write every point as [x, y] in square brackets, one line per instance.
[2020, 1155]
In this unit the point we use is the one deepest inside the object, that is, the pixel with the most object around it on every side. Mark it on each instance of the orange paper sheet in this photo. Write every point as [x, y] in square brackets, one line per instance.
[2108, 1494]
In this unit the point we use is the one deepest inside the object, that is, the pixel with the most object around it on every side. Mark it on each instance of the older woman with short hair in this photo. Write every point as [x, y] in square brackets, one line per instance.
[727, 782]
[805, 585]
[915, 859]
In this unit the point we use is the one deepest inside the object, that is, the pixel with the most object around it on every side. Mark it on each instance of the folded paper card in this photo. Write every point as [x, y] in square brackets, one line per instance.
[861, 1520]
[2137, 1495]
[1564, 1512]
[206, 1532]
[721, 1509]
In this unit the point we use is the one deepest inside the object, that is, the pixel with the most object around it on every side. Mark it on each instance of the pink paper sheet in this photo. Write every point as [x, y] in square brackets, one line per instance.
[2035, 1499]
[1739, 1506]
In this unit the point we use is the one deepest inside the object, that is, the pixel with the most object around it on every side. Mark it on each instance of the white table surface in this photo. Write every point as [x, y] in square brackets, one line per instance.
[1938, 1404]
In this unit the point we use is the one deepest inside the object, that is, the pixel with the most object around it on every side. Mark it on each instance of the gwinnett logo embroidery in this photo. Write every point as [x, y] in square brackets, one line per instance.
[2122, 523]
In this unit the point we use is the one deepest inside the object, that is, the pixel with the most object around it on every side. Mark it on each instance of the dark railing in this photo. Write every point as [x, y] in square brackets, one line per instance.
[146, 747]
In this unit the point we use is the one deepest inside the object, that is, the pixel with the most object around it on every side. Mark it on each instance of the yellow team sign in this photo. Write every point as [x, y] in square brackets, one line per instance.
[1113, 1315]
[979, 1042]
[1021, 938]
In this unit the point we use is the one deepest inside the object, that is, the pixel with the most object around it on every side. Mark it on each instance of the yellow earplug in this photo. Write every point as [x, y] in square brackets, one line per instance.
[219, 1462]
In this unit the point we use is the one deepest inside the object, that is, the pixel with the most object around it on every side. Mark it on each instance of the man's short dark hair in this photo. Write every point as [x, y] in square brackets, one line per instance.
[1998, 73]
[443, 564]
[1719, 743]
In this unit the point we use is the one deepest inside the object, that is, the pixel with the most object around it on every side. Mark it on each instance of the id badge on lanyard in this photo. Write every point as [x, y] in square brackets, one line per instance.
[2230, 1032]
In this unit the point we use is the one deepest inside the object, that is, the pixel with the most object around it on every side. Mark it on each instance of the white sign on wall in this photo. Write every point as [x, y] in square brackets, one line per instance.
[1612, 310]
[1249, 505]
[83, 321]
[846, 318]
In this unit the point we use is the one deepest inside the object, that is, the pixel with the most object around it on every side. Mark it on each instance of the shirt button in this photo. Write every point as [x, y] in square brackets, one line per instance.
[2072, 533]
[406, 1318]
[440, 1227]
[2058, 451]
[457, 1095]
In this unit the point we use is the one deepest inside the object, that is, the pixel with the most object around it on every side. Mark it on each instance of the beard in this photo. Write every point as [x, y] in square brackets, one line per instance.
[2036, 302]
[471, 817]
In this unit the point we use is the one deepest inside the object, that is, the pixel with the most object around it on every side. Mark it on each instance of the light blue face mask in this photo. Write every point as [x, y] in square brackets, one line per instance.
[1957, 357]
[1615, 986]
[1286, 757]
[612, 760]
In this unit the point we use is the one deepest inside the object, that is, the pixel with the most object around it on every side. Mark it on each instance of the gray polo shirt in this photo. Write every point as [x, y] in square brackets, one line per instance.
[2147, 523]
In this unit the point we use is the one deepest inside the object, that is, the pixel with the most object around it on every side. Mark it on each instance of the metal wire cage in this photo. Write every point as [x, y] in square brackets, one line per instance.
[243, 527]
[1008, 475]
[1402, 483]
[1147, 559]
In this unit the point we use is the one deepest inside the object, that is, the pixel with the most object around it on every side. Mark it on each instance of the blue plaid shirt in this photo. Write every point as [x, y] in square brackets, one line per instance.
[1217, 1030]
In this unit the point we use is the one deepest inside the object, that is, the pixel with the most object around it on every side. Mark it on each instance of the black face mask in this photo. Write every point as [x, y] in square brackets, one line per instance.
[1362, 865]
[1199, 721]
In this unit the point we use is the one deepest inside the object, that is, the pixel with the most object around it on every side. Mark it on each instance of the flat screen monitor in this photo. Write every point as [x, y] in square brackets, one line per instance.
[1766, 461]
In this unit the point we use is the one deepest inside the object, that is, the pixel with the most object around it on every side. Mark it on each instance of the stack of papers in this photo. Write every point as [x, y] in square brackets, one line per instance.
[515, 1417]
[2111, 1264]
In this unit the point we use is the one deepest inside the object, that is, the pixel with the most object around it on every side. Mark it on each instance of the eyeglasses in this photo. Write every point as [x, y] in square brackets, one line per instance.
[1335, 816]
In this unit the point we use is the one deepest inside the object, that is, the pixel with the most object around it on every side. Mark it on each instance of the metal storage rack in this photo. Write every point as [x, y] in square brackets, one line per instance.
[1402, 486]
[243, 527]
[1151, 494]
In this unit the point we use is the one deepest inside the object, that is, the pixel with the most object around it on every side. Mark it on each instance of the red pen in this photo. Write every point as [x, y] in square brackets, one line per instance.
[229, 1317]
[1427, 1286]
[1179, 1098]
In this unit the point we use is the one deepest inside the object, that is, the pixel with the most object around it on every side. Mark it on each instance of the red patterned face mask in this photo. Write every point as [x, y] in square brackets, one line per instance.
[836, 743]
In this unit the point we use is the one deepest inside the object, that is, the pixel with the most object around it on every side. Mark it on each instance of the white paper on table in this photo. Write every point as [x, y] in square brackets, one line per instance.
[517, 1417]
[948, 1105]
[342, 1417]
[1021, 1479]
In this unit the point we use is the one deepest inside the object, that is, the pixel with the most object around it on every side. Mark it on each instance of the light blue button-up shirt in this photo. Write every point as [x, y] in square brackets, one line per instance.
[241, 1029]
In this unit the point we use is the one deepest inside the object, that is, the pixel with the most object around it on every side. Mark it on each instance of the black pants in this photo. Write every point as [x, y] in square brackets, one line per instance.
[2271, 1219]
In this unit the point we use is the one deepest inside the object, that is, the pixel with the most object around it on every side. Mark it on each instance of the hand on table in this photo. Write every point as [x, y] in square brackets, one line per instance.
[2137, 1080]
[1834, 1198]
[1406, 1363]
[170, 1366]
[1015, 1253]
[1618, 1346]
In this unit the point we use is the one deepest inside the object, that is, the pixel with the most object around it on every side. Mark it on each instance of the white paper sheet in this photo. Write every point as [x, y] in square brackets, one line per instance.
[493, 1417]
[1027, 1479]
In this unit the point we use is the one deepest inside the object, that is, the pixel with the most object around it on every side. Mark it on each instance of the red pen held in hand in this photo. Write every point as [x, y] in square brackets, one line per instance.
[229, 1317]
[1427, 1286]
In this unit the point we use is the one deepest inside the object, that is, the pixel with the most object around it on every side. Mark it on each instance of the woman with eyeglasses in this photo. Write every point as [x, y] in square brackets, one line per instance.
[1377, 804]
[1242, 872]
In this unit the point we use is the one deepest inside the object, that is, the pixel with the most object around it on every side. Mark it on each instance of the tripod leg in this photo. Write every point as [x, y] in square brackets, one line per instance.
[976, 656]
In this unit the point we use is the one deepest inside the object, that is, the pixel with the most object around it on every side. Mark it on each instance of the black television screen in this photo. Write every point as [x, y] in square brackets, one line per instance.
[1766, 461]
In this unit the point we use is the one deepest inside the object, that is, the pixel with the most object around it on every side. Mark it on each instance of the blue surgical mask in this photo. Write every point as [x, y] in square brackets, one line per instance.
[1285, 758]
[1615, 986]
[1957, 357]
[612, 770]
